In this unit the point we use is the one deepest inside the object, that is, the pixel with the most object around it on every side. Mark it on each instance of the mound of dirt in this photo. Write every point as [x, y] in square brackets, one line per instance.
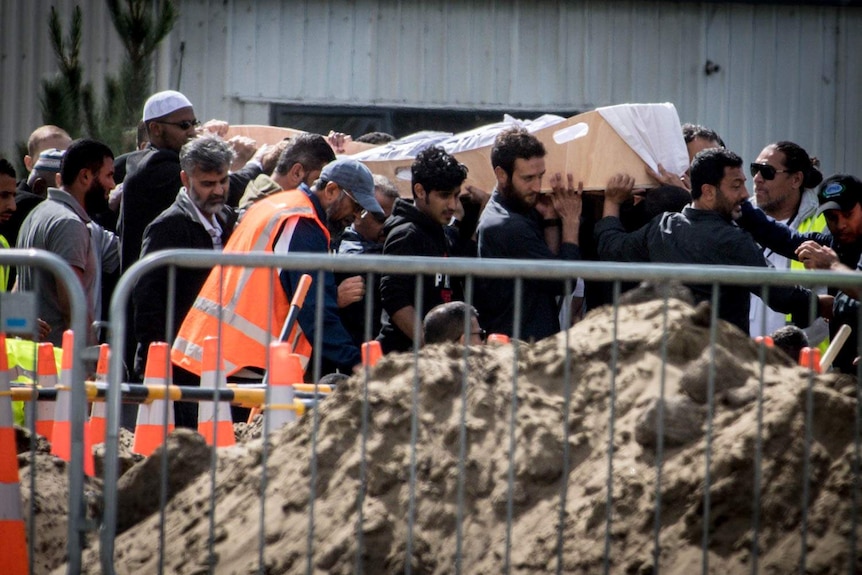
[561, 446]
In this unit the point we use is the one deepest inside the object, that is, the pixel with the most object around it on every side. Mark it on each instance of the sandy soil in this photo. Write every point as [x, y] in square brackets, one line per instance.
[560, 461]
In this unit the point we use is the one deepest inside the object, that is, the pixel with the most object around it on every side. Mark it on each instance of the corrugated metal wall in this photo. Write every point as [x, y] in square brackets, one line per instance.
[26, 58]
[786, 72]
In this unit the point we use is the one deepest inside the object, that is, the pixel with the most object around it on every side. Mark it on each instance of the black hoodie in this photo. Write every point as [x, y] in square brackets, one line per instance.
[409, 232]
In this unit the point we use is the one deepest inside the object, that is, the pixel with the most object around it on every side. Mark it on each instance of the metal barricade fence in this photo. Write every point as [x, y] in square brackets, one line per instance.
[407, 555]
[19, 313]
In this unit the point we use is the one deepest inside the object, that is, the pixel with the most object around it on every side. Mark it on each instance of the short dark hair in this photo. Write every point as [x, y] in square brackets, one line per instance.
[692, 131]
[7, 168]
[445, 322]
[311, 151]
[796, 159]
[708, 168]
[790, 339]
[436, 169]
[513, 144]
[83, 154]
[208, 153]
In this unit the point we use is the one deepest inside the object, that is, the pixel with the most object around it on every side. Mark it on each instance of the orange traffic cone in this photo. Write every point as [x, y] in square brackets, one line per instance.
[94, 430]
[98, 415]
[61, 436]
[810, 357]
[46, 377]
[151, 427]
[285, 370]
[214, 420]
[498, 339]
[765, 340]
[371, 353]
[12, 530]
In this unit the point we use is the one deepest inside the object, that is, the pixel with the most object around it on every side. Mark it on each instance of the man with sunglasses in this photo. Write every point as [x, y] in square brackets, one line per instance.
[153, 174]
[840, 203]
[294, 221]
[703, 233]
[783, 176]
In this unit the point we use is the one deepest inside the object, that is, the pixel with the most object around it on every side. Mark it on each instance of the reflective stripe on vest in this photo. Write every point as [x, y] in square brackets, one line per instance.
[245, 327]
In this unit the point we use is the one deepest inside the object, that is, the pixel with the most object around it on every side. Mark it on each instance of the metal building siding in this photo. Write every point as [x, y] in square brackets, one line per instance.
[26, 58]
[787, 72]
[776, 81]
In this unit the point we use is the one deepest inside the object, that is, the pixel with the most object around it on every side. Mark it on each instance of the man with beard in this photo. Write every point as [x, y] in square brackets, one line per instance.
[198, 219]
[299, 165]
[251, 306]
[61, 225]
[153, 174]
[520, 222]
[840, 203]
[783, 176]
[703, 233]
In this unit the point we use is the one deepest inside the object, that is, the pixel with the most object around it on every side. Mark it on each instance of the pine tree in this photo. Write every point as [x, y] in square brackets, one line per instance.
[61, 96]
[70, 103]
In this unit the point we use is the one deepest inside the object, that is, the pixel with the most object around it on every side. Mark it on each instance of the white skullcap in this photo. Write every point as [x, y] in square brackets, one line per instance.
[161, 104]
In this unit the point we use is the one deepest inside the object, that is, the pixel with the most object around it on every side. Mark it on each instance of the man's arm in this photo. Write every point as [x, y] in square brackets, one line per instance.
[565, 205]
[63, 297]
[404, 320]
[338, 346]
[397, 292]
[774, 235]
[613, 243]
[149, 297]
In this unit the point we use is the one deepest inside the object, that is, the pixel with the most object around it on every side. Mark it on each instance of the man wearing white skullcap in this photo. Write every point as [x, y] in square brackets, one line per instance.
[153, 174]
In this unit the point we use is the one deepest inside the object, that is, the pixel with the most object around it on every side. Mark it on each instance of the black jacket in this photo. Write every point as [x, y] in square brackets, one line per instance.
[409, 232]
[151, 184]
[177, 227]
[508, 231]
[697, 236]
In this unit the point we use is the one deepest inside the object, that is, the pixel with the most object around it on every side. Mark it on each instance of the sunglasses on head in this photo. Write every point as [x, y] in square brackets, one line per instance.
[766, 171]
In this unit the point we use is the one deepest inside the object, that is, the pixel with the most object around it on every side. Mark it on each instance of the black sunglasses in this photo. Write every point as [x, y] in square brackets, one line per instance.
[768, 172]
[483, 335]
[183, 125]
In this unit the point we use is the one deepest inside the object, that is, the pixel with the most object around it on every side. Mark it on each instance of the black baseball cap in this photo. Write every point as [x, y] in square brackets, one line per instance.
[839, 192]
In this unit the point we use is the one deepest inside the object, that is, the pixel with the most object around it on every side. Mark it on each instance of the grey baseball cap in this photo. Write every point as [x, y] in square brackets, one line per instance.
[356, 178]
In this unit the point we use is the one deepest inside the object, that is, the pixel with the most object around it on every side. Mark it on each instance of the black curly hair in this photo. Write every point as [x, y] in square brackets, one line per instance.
[436, 169]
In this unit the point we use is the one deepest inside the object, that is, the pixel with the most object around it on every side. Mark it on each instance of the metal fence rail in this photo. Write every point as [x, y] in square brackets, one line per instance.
[470, 269]
[65, 276]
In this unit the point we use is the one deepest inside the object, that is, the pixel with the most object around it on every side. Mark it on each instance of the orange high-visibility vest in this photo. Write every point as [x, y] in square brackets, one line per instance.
[237, 296]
